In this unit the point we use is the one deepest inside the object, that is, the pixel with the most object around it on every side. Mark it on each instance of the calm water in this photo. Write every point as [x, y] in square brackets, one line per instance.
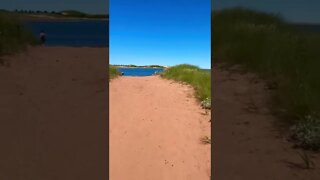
[139, 71]
[73, 33]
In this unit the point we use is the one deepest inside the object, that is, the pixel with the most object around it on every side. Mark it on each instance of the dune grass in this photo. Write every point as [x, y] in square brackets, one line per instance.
[275, 49]
[13, 35]
[193, 75]
[113, 72]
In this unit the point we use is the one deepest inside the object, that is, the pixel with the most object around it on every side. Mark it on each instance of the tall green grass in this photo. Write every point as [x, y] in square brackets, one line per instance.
[113, 72]
[13, 35]
[193, 75]
[268, 45]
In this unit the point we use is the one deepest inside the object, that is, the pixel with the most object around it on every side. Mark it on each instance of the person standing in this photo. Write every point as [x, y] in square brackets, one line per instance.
[43, 37]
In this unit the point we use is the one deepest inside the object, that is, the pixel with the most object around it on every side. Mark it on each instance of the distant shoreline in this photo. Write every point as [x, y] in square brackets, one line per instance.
[162, 67]
[130, 66]
[139, 67]
[45, 18]
[59, 16]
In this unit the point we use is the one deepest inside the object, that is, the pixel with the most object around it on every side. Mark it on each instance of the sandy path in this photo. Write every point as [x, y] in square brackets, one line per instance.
[155, 131]
[247, 144]
[53, 114]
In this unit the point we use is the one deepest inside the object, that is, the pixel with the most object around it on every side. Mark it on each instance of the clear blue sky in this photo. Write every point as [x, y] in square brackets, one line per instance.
[164, 32]
[305, 11]
[88, 6]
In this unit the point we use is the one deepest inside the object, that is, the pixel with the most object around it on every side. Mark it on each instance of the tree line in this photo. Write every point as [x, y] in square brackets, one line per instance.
[36, 12]
[67, 13]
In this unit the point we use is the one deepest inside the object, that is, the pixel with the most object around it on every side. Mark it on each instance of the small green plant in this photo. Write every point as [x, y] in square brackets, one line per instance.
[205, 140]
[307, 132]
[309, 164]
[206, 104]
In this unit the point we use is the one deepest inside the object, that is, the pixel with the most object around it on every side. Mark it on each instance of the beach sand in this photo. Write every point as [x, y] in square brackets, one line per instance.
[53, 111]
[53, 102]
[247, 142]
[155, 131]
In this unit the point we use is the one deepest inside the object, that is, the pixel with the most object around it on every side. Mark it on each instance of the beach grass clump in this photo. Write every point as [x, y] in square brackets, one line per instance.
[307, 132]
[278, 51]
[205, 140]
[206, 103]
[194, 76]
[308, 163]
[13, 35]
[113, 72]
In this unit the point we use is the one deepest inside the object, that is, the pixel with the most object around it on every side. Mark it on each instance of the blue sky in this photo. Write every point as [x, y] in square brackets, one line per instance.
[164, 32]
[88, 6]
[305, 11]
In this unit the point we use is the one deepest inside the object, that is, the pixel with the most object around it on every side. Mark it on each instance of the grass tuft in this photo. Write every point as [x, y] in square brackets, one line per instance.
[307, 132]
[194, 76]
[13, 35]
[113, 72]
[205, 140]
[308, 163]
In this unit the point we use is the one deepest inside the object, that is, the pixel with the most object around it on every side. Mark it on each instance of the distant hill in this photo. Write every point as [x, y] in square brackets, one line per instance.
[73, 13]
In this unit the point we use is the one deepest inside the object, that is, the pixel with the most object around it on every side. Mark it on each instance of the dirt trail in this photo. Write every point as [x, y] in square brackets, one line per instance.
[247, 144]
[155, 131]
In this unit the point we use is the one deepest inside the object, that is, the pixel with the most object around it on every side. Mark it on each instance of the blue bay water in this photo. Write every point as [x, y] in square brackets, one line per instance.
[84, 33]
[139, 71]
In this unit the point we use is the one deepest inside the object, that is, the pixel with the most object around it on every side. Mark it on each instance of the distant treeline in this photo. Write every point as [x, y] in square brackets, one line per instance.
[66, 13]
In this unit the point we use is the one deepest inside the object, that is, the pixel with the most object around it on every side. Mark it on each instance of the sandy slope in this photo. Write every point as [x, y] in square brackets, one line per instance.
[155, 131]
[53, 114]
[247, 144]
